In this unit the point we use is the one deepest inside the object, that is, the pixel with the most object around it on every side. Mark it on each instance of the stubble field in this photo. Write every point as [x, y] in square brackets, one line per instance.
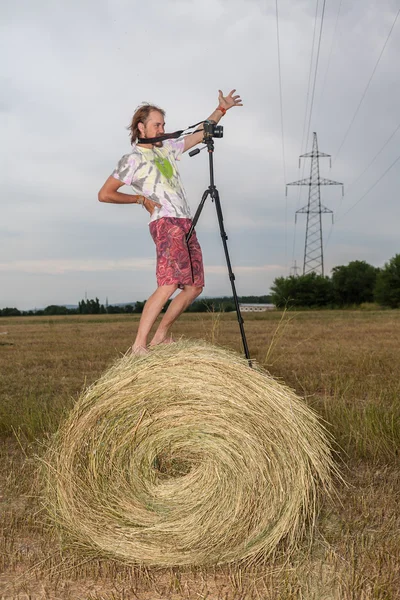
[345, 364]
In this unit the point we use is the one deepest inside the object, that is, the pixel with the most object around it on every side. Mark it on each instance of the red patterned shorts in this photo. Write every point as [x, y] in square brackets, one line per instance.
[177, 262]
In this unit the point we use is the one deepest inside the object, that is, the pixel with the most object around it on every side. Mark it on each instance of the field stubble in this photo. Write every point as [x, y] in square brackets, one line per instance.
[346, 366]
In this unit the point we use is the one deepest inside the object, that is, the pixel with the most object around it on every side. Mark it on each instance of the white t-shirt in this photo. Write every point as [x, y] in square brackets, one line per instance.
[153, 173]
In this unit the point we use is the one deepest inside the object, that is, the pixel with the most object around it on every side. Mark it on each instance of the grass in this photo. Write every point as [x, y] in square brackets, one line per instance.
[345, 363]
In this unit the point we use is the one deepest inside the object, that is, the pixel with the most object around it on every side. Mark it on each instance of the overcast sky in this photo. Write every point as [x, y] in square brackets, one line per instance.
[72, 74]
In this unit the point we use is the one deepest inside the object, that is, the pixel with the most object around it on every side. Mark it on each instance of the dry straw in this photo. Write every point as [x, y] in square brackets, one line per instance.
[187, 456]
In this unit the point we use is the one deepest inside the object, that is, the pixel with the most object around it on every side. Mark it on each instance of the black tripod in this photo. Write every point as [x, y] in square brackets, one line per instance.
[213, 192]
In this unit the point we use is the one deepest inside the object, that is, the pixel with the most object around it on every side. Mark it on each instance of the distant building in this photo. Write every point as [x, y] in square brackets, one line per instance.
[247, 307]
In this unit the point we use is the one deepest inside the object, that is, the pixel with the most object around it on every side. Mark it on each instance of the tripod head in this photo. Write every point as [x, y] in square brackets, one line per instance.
[212, 130]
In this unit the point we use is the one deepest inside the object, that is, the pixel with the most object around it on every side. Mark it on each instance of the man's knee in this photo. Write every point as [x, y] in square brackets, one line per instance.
[195, 291]
[167, 290]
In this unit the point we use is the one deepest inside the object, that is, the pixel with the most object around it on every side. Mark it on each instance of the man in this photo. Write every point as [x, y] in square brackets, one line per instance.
[152, 172]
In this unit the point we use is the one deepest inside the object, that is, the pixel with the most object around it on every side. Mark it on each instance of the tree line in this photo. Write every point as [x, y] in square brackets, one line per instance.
[351, 285]
[93, 307]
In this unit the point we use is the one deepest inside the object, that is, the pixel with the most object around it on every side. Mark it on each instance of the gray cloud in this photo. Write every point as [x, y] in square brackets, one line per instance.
[72, 75]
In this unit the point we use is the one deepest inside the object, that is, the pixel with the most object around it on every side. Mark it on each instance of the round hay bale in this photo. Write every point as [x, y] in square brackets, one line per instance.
[186, 456]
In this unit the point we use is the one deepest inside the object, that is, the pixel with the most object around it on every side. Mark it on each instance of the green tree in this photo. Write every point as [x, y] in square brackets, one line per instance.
[387, 288]
[82, 307]
[208, 305]
[166, 305]
[255, 299]
[54, 309]
[139, 307]
[114, 310]
[89, 307]
[307, 291]
[10, 312]
[354, 283]
[94, 306]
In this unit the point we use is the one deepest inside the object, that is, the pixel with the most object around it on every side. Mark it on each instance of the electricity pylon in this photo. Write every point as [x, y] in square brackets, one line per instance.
[313, 249]
[294, 270]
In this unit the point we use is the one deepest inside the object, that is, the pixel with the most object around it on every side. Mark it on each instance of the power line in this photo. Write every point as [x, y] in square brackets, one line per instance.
[294, 240]
[280, 91]
[328, 236]
[359, 177]
[314, 84]
[330, 52]
[303, 146]
[316, 70]
[282, 128]
[367, 87]
[371, 188]
[375, 157]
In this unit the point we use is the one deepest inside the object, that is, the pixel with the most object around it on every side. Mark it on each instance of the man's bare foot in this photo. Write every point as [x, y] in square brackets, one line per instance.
[139, 350]
[167, 340]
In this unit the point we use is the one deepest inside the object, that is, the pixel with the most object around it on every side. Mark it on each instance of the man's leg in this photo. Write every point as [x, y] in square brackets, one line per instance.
[175, 309]
[151, 310]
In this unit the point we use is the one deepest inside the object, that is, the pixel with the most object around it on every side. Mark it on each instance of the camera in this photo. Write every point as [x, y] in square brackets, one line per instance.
[211, 129]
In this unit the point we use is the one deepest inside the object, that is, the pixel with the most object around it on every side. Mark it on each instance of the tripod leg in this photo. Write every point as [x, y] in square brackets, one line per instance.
[215, 197]
[197, 215]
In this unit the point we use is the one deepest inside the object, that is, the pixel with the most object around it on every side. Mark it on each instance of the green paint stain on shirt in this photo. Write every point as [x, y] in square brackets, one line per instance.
[164, 166]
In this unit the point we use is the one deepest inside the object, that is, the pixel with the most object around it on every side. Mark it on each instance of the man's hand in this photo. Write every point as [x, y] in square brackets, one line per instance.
[230, 100]
[225, 102]
[150, 205]
[109, 193]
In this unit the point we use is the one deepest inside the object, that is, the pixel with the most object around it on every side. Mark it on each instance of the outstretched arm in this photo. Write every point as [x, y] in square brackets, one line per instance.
[225, 102]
